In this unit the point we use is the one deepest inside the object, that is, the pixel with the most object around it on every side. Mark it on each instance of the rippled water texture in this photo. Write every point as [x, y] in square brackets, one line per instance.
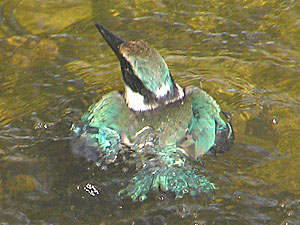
[54, 64]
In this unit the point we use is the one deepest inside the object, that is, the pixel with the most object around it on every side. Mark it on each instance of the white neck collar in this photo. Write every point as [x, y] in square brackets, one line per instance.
[135, 100]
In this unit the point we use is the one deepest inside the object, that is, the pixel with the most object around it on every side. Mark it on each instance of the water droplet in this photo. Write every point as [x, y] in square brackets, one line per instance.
[91, 189]
[103, 168]
[274, 121]
[38, 126]
[161, 198]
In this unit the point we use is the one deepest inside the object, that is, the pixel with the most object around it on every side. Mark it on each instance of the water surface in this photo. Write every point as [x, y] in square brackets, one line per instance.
[54, 64]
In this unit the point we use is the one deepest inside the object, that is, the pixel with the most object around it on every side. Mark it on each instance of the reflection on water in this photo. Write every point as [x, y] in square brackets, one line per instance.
[54, 65]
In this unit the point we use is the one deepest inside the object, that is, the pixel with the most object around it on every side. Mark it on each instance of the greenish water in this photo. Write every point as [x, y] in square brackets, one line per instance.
[54, 64]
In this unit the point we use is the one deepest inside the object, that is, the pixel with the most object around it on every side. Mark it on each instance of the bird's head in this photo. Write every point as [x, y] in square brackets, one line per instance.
[148, 82]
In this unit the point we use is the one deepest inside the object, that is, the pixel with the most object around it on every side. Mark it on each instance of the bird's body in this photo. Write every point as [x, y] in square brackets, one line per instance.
[163, 124]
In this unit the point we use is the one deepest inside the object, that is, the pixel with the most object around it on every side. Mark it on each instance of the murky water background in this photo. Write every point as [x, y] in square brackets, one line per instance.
[54, 65]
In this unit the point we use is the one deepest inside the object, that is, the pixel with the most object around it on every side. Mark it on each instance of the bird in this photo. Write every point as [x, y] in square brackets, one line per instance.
[164, 127]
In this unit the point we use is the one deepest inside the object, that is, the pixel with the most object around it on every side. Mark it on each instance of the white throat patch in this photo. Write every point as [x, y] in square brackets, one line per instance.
[135, 100]
[180, 91]
[163, 91]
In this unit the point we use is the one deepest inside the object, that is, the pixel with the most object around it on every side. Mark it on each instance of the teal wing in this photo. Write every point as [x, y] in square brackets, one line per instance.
[100, 130]
[206, 127]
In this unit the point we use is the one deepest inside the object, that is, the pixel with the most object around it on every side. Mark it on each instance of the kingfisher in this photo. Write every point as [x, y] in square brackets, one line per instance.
[165, 128]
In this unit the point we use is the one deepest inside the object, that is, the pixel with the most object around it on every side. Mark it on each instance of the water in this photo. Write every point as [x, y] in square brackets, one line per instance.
[54, 65]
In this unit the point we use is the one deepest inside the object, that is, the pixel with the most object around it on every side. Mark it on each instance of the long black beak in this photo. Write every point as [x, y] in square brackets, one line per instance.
[112, 40]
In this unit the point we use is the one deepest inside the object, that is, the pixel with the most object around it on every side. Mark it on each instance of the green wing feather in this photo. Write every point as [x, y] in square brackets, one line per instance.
[102, 127]
[205, 121]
